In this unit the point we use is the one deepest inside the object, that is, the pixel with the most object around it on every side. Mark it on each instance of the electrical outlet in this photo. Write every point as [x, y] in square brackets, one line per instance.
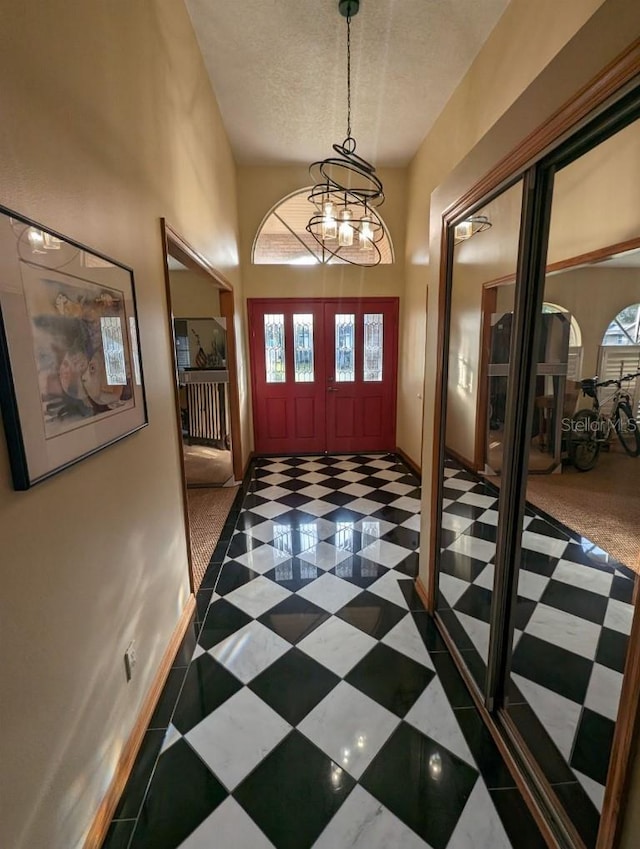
[130, 660]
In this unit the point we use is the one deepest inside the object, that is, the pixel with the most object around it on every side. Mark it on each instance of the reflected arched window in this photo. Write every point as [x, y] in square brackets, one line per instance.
[575, 334]
[625, 327]
[283, 240]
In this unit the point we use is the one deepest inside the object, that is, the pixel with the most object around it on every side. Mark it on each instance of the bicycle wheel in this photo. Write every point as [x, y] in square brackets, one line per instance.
[627, 430]
[582, 445]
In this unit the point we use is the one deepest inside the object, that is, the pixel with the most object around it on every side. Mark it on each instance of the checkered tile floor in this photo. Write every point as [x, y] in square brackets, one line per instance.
[572, 624]
[319, 708]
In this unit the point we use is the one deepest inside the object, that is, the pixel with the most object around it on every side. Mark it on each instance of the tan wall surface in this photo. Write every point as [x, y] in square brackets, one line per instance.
[193, 295]
[108, 123]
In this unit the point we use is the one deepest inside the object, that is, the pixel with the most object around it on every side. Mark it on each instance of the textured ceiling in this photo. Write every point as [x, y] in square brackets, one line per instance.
[278, 70]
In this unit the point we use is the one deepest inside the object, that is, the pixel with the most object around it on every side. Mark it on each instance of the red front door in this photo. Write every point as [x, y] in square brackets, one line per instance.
[323, 374]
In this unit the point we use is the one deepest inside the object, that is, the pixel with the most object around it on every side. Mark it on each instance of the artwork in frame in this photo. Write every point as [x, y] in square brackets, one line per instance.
[71, 379]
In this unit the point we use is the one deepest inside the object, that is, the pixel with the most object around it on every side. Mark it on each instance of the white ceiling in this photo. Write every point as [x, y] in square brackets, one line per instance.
[278, 68]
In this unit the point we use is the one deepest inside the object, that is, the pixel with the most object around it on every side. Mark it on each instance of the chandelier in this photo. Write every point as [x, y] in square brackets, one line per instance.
[347, 191]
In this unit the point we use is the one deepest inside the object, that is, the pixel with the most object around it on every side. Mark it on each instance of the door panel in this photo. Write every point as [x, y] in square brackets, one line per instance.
[323, 374]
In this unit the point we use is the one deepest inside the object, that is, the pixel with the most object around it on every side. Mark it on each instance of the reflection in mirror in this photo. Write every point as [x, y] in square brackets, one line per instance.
[580, 542]
[486, 250]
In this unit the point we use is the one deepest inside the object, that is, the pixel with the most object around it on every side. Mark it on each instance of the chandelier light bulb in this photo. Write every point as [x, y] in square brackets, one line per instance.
[345, 231]
[366, 234]
[329, 223]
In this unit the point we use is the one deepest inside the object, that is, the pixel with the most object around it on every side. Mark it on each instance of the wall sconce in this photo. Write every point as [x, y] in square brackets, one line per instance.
[469, 227]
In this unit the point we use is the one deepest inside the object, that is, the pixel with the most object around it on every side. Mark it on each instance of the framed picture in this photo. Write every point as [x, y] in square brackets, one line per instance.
[71, 378]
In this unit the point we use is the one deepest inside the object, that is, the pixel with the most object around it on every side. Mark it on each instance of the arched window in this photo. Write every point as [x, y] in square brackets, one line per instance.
[283, 240]
[625, 327]
[575, 334]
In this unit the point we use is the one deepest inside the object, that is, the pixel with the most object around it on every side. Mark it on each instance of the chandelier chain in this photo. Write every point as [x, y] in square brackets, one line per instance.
[348, 76]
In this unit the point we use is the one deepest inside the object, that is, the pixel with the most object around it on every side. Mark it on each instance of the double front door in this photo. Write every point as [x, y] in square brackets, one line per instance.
[323, 374]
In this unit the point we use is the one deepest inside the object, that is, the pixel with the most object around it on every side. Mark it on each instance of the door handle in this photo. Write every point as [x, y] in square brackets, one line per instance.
[331, 389]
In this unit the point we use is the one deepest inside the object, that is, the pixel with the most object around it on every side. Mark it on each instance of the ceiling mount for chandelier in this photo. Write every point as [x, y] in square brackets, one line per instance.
[347, 191]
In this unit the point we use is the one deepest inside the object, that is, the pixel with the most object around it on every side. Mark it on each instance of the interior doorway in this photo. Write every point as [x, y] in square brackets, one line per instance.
[324, 374]
[201, 311]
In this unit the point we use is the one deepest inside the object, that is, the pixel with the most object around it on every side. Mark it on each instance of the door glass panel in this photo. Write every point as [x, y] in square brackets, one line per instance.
[274, 347]
[486, 250]
[345, 325]
[580, 541]
[373, 346]
[303, 348]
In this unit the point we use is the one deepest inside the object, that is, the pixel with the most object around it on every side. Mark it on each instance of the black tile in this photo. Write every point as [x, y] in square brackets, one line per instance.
[188, 644]
[476, 666]
[432, 802]
[136, 785]
[247, 519]
[340, 499]
[294, 485]
[589, 555]
[404, 537]
[390, 678]
[516, 818]
[482, 530]
[467, 511]
[622, 589]
[475, 601]
[460, 566]
[343, 515]
[370, 613]
[539, 526]
[119, 834]
[203, 600]
[168, 698]
[552, 667]
[592, 746]
[408, 588]
[294, 574]
[294, 500]
[207, 685]
[381, 496]
[429, 632]
[484, 750]
[447, 537]
[581, 810]
[348, 539]
[535, 561]
[253, 500]
[552, 763]
[294, 618]
[576, 601]
[392, 514]
[451, 493]
[294, 793]
[181, 795]
[454, 686]
[359, 571]
[223, 619]
[612, 649]
[409, 566]
[294, 685]
[213, 570]
[232, 576]
[241, 543]
[454, 629]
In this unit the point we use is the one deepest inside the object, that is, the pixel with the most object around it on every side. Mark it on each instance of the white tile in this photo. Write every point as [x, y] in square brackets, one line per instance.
[543, 544]
[329, 592]
[453, 522]
[388, 587]
[228, 827]
[337, 645]
[477, 631]
[386, 553]
[364, 506]
[324, 556]
[480, 549]
[198, 649]
[274, 479]
[531, 585]
[313, 475]
[172, 735]
[450, 473]
[411, 505]
[433, 715]
[477, 500]
[319, 507]
[357, 490]
[265, 531]
[250, 650]
[349, 475]
[593, 790]
[558, 715]
[397, 488]
[312, 466]
[603, 692]
[619, 616]
[237, 736]
[322, 528]
[257, 596]
[346, 465]
[459, 483]
[565, 630]
[388, 475]
[452, 588]
[372, 529]
[363, 823]
[405, 638]
[379, 463]
[413, 523]
[446, 502]
[263, 558]
[275, 468]
[349, 727]
[489, 517]
[274, 492]
[270, 509]
[479, 827]
[315, 490]
[585, 577]
[487, 577]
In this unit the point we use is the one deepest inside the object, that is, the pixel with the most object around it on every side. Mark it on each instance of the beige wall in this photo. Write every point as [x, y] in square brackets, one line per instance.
[108, 123]
[193, 295]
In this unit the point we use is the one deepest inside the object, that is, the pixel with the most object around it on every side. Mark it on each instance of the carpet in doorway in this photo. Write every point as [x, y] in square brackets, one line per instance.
[208, 511]
[206, 466]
